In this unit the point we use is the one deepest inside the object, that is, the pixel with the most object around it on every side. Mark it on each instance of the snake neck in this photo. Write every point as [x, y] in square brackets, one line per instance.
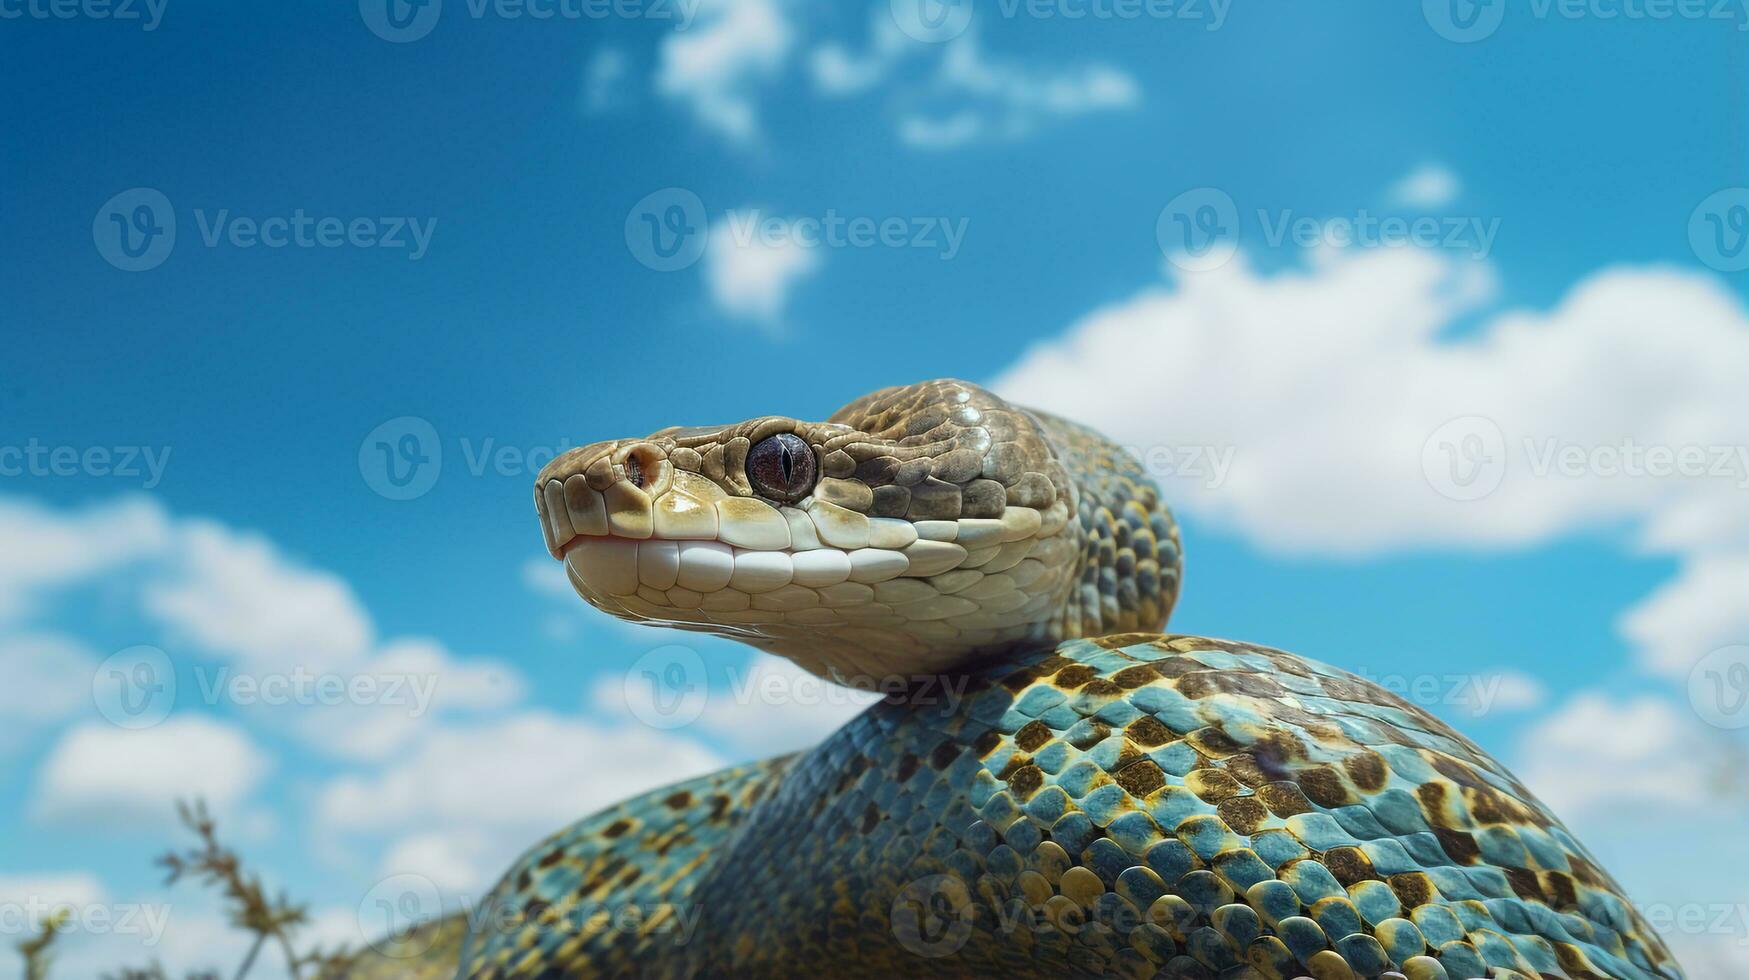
[1131, 559]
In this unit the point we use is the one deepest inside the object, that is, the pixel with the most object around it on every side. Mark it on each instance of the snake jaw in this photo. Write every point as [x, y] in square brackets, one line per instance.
[941, 527]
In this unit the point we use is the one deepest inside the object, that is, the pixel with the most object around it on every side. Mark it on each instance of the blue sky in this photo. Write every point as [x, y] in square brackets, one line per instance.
[485, 174]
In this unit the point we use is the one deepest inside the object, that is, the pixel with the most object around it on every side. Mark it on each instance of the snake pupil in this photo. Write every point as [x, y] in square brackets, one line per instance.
[781, 467]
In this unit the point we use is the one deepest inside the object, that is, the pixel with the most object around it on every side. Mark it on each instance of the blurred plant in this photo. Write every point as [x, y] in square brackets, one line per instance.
[36, 949]
[268, 919]
[250, 908]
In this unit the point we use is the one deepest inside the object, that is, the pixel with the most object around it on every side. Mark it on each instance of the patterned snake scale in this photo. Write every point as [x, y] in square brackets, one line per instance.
[1098, 800]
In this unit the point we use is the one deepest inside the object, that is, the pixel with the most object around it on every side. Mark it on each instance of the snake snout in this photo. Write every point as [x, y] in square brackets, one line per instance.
[607, 488]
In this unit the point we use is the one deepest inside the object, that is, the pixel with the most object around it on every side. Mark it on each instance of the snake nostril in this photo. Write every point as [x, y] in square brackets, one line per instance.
[643, 466]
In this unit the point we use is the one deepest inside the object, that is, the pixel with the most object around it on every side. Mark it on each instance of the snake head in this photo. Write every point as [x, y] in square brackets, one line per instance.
[918, 530]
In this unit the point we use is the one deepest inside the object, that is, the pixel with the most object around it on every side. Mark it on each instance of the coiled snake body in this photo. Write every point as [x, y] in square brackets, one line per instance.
[1102, 801]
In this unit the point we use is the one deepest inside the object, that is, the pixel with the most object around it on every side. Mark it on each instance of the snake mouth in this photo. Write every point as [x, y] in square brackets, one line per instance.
[696, 557]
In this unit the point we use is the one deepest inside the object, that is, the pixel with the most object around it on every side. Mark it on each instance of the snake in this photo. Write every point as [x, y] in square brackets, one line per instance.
[1079, 793]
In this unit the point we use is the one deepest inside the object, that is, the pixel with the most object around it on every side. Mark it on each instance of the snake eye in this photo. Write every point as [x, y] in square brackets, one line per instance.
[781, 468]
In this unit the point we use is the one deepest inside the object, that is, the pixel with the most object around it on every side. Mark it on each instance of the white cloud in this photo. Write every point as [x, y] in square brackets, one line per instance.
[775, 707]
[769, 706]
[1427, 186]
[404, 688]
[984, 99]
[47, 549]
[103, 934]
[468, 685]
[943, 133]
[272, 620]
[751, 263]
[104, 775]
[839, 72]
[547, 578]
[717, 65]
[47, 680]
[235, 595]
[457, 862]
[195, 936]
[836, 71]
[68, 887]
[1611, 766]
[1332, 387]
[1655, 756]
[1701, 610]
[1723, 956]
[1518, 691]
[724, 67]
[445, 804]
